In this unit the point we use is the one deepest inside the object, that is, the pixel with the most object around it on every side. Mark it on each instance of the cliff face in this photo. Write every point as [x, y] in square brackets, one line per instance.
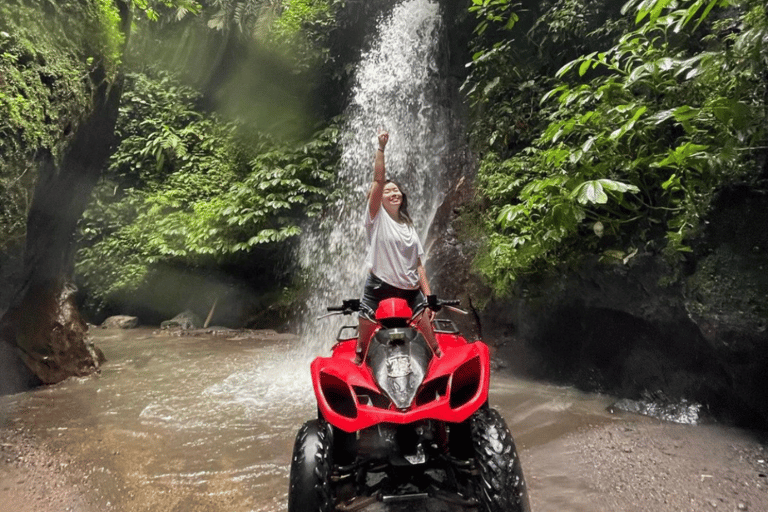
[613, 327]
[42, 336]
[42, 326]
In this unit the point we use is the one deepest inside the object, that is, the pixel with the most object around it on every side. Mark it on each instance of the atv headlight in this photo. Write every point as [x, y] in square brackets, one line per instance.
[432, 390]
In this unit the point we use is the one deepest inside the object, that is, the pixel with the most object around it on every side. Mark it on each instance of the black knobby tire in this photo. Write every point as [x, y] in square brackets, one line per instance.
[310, 486]
[501, 485]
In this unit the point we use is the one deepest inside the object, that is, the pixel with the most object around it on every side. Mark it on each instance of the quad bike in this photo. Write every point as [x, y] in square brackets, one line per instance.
[406, 424]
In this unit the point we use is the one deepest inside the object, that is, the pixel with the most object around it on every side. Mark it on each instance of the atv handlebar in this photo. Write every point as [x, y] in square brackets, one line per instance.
[349, 306]
[436, 304]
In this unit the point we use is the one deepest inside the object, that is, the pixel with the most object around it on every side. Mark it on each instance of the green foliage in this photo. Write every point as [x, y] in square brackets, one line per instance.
[105, 33]
[250, 17]
[296, 28]
[186, 188]
[153, 9]
[50, 53]
[299, 14]
[509, 73]
[501, 12]
[42, 95]
[282, 21]
[304, 28]
[636, 139]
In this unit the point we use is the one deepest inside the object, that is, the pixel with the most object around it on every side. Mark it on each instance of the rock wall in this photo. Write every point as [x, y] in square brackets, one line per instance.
[42, 325]
[613, 327]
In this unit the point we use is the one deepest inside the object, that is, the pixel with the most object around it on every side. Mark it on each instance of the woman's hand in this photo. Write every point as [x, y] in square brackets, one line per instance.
[383, 139]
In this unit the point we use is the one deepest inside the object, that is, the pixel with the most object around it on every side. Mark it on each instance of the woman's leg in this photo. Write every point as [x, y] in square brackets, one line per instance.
[365, 331]
[418, 301]
[366, 325]
[425, 326]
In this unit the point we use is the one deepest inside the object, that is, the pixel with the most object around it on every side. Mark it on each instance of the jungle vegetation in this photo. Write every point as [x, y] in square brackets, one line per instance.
[607, 132]
[599, 128]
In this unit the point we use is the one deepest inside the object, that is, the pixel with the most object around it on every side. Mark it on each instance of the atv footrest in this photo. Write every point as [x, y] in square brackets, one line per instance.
[395, 498]
[358, 503]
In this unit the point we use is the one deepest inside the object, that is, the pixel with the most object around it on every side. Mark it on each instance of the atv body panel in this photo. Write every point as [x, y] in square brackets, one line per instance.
[452, 388]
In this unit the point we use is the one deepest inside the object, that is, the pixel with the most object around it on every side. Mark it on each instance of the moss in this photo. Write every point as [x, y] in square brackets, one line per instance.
[46, 52]
[107, 29]
[729, 286]
[302, 30]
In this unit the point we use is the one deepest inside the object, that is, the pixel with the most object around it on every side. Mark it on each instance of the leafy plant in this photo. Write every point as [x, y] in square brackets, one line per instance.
[186, 188]
[637, 139]
[500, 12]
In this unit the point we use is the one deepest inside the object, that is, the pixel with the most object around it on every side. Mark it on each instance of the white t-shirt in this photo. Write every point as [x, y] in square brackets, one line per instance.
[393, 251]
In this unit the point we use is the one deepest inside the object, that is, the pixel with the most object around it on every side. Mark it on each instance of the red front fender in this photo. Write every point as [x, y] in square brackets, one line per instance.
[455, 386]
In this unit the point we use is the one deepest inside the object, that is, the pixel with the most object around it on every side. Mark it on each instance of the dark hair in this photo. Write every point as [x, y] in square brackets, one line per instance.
[404, 215]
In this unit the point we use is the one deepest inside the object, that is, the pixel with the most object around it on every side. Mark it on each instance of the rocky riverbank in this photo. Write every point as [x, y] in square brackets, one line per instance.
[35, 479]
[637, 466]
[651, 466]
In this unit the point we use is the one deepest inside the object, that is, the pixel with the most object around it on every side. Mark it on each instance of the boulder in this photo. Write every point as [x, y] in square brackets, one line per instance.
[47, 333]
[120, 322]
[185, 320]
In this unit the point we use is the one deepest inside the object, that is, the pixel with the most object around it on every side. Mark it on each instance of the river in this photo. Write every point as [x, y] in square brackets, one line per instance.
[208, 422]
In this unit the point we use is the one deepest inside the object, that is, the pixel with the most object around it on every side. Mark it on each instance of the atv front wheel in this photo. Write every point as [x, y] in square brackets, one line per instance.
[501, 485]
[310, 488]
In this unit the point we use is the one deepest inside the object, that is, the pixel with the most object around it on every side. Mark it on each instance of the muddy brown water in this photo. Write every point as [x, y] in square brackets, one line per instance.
[208, 423]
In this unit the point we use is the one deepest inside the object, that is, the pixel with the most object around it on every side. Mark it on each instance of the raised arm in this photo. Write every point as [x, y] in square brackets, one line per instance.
[379, 176]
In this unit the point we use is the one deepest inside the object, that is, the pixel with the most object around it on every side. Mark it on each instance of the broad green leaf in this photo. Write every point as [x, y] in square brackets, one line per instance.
[594, 191]
[591, 192]
[566, 68]
[617, 186]
[685, 113]
[672, 182]
[584, 67]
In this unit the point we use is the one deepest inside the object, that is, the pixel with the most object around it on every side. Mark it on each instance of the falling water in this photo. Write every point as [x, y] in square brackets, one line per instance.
[397, 88]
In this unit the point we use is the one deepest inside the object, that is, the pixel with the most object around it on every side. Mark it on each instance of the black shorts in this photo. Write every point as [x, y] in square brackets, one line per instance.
[376, 290]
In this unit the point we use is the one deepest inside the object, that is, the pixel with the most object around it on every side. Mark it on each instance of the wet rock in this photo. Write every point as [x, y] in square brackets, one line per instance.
[120, 322]
[47, 334]
[451, 251]
[657, 405]
[725, 294]
[185, 320]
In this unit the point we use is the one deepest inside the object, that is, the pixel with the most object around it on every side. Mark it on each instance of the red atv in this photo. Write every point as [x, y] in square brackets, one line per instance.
[404, 425]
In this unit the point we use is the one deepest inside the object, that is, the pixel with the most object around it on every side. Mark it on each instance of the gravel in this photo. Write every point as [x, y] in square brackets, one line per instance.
[652, 466]
[614, 467]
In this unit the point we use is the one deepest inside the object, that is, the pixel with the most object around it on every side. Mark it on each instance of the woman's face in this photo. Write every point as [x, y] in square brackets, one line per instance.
[392, 198]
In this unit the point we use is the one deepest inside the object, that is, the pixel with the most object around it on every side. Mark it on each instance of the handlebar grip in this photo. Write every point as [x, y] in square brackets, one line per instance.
[348, 306]
[435, 304]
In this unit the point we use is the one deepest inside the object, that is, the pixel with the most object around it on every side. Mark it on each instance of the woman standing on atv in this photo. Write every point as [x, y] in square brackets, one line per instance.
[393, 257]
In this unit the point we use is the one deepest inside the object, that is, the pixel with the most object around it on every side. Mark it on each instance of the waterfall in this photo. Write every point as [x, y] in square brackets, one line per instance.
[397, 87]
